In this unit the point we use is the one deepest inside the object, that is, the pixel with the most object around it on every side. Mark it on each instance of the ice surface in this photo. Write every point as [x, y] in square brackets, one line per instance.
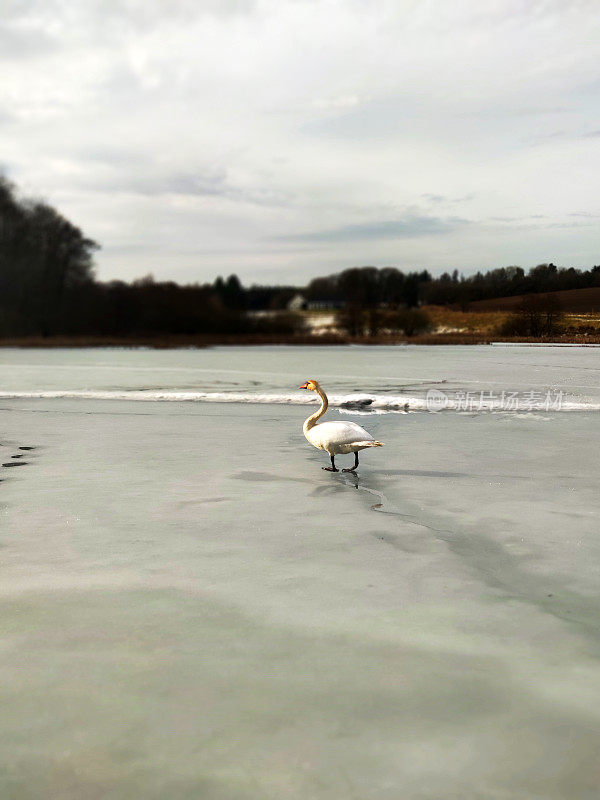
[192, 608]
[385, 377]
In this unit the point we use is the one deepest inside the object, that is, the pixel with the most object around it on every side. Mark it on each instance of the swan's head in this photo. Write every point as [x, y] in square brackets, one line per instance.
[310, 385]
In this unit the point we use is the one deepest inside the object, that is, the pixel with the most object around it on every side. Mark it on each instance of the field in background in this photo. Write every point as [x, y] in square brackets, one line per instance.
[570, 300]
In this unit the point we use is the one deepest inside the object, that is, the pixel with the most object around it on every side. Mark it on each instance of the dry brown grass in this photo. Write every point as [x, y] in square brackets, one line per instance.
[448, 320]
[170, 342]
[577, 327]
[582, 323]
[459, 327]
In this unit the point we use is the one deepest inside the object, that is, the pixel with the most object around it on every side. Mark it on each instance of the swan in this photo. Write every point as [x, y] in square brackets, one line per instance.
[335, 437]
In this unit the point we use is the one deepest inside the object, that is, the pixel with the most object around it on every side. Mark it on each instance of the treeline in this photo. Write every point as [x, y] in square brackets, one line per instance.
[147, 307]
[48, 288]
[371, 286]
[506, 282]
[44, 258]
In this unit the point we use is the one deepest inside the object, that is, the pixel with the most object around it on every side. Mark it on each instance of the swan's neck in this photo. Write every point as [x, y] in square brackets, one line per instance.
[312, 420]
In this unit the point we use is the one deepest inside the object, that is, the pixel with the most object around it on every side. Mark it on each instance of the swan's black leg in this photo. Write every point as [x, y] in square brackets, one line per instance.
[352, 469]
[333, 467]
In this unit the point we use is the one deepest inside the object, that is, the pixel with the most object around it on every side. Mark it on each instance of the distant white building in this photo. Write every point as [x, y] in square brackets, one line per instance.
[325, 305]
[300, 303]
[297, 303]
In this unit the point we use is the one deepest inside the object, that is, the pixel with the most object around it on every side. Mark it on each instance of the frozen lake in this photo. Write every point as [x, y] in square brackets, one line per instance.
[192, 608]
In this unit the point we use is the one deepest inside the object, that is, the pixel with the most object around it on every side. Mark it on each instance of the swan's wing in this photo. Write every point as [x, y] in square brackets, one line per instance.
[339, 433]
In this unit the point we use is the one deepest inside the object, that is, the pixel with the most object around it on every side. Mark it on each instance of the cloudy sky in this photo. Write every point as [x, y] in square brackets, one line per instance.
[283, 139]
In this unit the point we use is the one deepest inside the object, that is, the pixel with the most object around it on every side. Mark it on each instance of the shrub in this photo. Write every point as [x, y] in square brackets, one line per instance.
[536, 316]
[409, 320]
[352, 320]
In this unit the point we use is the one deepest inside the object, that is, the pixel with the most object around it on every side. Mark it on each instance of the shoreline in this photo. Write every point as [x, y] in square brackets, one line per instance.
[205, 340]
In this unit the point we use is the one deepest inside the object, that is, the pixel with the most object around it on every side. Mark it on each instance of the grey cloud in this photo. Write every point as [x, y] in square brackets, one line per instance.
[217, 184]
[440, 198]
[409, 227]
[154, 10]
[183, 183]
[561, 225]
[125, 170]
[188, 184]
[108, 156]
[121, 82]
[375, 118]
[141, 14]
[18, 43]
[535, 111]
[547, 137]
[132, 173]
[518, 219]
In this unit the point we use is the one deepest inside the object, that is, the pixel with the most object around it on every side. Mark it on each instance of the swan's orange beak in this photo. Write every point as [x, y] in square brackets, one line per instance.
[304, 386]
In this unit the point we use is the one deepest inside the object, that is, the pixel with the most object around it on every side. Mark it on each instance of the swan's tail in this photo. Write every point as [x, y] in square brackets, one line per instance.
[370, 444]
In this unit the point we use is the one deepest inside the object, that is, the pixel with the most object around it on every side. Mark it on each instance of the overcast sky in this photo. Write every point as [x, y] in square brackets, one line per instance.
[291, 138]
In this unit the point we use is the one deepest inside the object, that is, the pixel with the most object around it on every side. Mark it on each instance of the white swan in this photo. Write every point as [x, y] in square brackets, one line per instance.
[335, 437]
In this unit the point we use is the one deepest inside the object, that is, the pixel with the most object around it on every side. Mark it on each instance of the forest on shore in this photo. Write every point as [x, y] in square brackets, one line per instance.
[48, 289]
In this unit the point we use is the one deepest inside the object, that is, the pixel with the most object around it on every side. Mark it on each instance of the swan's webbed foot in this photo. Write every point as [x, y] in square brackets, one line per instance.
[355, 467]
[333, 467]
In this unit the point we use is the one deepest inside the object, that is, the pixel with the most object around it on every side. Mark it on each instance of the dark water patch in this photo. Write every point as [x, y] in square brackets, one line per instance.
[363, 402]
[256, 476]
[330, 488]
